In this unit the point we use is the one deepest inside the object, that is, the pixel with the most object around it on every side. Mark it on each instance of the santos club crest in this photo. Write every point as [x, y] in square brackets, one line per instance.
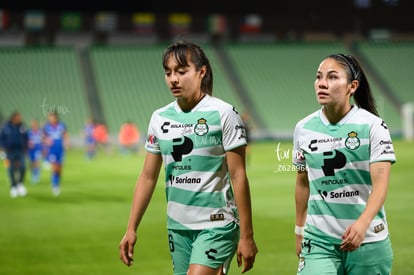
[352, 141]
[201, 128]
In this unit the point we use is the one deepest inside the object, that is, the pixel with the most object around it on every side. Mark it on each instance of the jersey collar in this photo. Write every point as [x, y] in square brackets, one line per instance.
[326, 122]
[195, 108]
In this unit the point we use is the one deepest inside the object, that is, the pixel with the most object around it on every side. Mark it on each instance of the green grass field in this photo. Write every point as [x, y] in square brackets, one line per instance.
[79, 231]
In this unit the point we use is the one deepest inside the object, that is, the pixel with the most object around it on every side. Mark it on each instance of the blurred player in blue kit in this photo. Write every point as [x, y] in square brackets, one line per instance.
[56, 140]
[35, 149]
[89, 139]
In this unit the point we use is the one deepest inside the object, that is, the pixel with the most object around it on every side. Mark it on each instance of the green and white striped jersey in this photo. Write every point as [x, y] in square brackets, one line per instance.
[193, 145]
[337, 158]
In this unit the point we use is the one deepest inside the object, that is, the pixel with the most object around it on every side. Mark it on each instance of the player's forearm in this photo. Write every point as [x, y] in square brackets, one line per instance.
[244, 206]
[301, 198]
[380, 173]
[144, 189]
[374, 204]
[142, 196]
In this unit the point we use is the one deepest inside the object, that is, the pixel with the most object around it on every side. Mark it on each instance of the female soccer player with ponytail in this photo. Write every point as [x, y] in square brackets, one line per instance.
[343, 153]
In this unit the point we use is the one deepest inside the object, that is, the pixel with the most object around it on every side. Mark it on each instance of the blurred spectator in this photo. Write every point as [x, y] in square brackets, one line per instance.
[35, 149]
[90, 142]
[129, 137]
[14, 142]
[100, 134]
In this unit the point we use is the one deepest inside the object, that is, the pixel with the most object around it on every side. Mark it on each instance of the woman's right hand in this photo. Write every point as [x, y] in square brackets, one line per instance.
[126, 247]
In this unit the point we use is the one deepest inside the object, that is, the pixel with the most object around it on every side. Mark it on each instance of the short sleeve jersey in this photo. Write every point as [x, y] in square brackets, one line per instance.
[88, 131]
[193, 145]
[55, 133]
[337, 158]
[35, 139]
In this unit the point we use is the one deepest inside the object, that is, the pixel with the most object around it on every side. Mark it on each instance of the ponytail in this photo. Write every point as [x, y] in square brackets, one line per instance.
[362, 96]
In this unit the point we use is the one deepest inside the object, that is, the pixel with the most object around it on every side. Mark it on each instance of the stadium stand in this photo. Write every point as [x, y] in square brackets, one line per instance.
[130, 83]
[74, 39]
[275, 81]
[130, 80]
[12, 39]
[39, 79]
[285, 84]
[107, 65]
[279, 78]
[390, 66]
[394, 63]
[130, 38]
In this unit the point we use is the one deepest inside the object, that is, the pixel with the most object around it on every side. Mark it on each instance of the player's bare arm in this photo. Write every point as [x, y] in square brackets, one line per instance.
[247, 249]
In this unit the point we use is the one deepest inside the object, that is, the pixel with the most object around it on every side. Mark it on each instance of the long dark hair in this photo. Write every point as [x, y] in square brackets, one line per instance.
[181, 50]
[362, 96]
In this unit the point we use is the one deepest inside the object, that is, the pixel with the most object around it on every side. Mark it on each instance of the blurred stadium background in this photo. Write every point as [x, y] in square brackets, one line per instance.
[104, 62]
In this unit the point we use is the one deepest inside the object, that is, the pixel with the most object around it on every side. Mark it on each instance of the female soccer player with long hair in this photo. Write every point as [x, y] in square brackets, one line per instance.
[201, 140]
[343, 153]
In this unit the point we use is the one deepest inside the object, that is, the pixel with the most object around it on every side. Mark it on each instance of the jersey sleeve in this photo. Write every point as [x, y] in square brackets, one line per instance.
[152, 143]
[382, 148]
[234, 130]
[298, 156]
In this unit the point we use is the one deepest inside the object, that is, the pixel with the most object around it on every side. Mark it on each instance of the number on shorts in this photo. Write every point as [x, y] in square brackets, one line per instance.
[171, 242]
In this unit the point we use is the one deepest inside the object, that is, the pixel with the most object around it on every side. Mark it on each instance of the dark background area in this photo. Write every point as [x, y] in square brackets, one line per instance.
[284, 20]
[280, 8]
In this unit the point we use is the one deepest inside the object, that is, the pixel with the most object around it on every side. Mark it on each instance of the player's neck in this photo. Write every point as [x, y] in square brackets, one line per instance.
[188, 104]
[334, 114]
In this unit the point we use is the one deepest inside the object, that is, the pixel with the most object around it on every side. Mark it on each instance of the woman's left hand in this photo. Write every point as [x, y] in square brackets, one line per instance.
[353, 236]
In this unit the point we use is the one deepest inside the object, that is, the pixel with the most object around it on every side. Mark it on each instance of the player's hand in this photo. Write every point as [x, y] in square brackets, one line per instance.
[299, 239]
[126, 248]
[353, 236]
[246, 254]
[48, 141]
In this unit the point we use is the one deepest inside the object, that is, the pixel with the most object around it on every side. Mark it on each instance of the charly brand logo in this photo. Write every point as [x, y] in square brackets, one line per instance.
[48, 108]
[283, 155]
